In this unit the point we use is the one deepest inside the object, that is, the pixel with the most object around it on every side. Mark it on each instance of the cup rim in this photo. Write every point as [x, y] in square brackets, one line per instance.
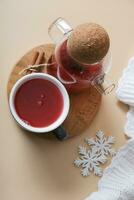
[60, 86]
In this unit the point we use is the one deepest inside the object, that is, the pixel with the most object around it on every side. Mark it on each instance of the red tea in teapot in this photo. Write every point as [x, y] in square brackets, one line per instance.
[73, 75]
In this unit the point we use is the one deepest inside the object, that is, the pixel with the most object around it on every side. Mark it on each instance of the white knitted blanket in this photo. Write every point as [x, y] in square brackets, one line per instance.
[125, 93]
[117, 182]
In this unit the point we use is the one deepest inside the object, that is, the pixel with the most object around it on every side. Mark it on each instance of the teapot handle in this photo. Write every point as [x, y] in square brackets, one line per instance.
[59, 29]
[103, 85]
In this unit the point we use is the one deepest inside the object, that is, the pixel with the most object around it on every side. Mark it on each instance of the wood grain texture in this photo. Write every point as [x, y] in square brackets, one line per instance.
[83, 106]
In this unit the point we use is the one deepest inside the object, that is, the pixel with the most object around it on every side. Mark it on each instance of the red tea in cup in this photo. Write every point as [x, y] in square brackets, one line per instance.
[38, 102]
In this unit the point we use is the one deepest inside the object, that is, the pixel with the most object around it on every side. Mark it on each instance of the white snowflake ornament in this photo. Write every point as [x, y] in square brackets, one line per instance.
[90, 159]
[102, 144]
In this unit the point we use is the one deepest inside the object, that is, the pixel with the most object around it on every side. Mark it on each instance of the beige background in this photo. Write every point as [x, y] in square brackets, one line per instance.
[31, 167]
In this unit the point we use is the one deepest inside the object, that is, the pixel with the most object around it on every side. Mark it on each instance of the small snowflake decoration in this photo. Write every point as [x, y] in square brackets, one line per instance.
[90, 159]
[102, 144]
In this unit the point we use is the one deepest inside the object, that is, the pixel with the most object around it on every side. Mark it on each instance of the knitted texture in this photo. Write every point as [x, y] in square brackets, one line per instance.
[125, 93]
[117, 182]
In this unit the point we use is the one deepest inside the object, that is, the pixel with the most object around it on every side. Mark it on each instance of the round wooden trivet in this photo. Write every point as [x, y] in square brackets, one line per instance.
[84, 105]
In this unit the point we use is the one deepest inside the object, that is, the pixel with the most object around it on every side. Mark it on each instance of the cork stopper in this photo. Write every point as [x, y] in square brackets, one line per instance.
[88, 43]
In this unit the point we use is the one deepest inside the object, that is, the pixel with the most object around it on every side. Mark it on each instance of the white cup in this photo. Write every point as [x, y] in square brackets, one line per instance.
[60, 119]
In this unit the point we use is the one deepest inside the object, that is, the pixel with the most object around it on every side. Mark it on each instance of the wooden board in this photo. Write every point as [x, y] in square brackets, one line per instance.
[84, 105]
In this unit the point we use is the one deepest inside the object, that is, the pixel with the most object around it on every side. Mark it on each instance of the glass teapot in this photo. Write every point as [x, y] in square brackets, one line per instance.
[76, 76]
